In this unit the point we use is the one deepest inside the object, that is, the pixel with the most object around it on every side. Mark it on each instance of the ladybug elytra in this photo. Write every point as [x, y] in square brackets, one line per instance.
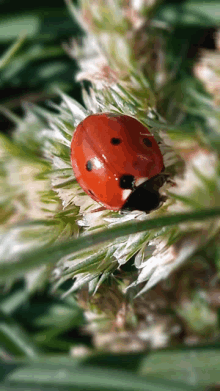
[117, 161]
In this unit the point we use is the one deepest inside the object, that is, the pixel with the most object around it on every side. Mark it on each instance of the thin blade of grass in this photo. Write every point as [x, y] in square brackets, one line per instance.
[22, 262]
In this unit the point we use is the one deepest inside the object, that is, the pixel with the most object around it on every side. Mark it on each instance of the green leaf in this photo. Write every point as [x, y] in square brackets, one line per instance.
[194, 366]
[14, 339]
[11, 27]
[24, 261]
[34, 388]
[197, 13]
[10, 303]
[61, 316]
[91, 378]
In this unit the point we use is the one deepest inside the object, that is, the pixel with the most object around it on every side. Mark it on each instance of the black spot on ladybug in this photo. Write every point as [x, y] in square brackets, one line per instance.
[115, 141]
[147, 142]
[89, 165]
[126, 182]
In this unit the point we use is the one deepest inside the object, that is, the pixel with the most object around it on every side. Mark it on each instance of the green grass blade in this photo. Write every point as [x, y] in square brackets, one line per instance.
[95, 379]
[194, 366]
[25, 261]
[11, 51]
[15, 340]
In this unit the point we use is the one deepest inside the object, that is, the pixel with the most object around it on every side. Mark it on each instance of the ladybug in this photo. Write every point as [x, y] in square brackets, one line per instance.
[117, 161]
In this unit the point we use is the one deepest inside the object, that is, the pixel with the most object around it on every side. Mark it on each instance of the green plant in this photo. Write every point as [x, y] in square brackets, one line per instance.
[144, 281]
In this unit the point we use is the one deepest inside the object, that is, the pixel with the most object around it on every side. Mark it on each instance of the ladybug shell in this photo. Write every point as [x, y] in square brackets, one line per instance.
[112, 155]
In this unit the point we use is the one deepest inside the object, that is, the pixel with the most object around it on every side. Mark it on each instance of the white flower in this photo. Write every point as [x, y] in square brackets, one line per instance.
[165, 260]
[93, 63]
[201, 168]
[207, 70]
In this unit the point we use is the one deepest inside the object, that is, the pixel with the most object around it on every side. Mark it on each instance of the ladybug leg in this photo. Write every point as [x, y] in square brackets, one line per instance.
[101, 209]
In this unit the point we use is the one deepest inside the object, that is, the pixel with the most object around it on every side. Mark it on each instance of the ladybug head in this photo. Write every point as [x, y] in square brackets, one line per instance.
[145, 197]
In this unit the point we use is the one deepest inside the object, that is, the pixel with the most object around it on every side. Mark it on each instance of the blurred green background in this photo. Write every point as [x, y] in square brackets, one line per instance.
[41, 64]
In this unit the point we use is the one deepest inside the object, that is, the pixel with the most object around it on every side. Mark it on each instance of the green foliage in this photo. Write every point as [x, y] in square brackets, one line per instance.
[189, 13]
[34, 327]
[36, 34]
[198, 366]
[37, 324]
[136, 94]
[96, 379]
[11, 51]
[30, 260]
[189, 369]
[52, 234]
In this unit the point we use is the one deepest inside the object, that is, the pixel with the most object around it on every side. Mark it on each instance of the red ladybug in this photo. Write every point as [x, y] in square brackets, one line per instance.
[116, 160]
